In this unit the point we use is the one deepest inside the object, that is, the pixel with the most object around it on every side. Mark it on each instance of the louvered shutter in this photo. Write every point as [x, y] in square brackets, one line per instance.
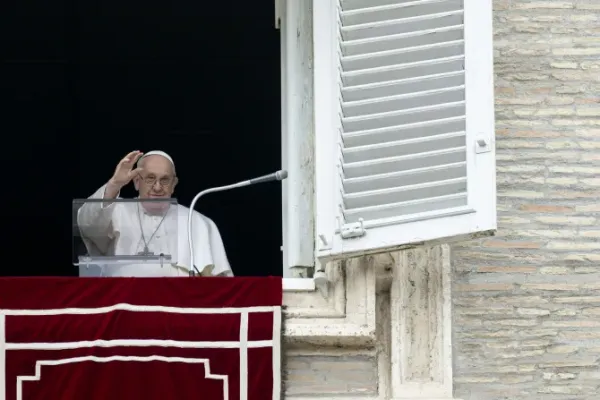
[404, 123]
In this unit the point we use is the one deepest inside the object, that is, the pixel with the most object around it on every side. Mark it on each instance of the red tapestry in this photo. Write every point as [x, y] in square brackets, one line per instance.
[140, 338]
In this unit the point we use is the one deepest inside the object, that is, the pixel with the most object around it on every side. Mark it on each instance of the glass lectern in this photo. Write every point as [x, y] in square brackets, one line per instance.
[125, 237]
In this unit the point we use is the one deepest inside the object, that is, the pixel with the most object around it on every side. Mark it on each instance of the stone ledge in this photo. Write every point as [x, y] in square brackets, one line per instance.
[346, 316]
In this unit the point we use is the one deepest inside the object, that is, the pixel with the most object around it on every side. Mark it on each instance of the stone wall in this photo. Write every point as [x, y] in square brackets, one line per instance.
[527, 302]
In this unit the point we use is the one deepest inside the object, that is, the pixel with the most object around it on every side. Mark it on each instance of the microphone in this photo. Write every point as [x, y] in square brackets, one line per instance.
[275, 176]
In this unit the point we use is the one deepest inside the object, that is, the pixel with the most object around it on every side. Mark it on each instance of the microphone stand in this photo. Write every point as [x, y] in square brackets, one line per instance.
[276, 176]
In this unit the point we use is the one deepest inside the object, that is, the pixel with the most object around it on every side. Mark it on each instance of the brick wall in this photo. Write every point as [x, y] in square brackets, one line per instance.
[527, 302]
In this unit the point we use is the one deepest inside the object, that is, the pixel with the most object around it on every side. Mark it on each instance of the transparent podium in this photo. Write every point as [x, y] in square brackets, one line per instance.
[126, 237]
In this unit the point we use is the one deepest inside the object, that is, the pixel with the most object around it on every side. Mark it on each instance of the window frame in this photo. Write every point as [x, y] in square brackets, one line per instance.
[293, 19]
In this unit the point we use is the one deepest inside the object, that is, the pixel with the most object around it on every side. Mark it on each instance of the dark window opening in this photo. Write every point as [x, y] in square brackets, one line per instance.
[85, 83]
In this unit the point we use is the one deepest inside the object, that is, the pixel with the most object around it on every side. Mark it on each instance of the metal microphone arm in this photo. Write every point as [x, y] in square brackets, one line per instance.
[277, 176]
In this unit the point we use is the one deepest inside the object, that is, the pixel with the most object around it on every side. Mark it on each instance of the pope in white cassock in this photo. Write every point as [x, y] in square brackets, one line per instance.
[118, 228]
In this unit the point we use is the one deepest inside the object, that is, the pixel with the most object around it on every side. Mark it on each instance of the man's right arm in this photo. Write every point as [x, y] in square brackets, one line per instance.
[95, 218]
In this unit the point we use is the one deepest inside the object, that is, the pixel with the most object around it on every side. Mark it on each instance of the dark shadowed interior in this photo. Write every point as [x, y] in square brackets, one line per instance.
[83, 83]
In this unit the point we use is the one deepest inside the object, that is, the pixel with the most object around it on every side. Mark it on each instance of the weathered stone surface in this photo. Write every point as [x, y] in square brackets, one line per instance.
[333, 374]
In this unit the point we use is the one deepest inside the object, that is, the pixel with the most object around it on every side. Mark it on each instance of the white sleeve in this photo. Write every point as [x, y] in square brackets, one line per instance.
[219, 255]
[209, 252]
[94, 220]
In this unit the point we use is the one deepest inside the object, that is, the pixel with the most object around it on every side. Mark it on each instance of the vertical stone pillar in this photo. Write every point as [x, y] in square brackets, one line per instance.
[421, 322]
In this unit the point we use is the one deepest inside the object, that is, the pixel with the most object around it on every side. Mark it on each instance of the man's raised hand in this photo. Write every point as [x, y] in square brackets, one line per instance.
[125, 170]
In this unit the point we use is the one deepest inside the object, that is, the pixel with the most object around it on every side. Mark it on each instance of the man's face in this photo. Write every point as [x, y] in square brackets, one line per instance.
[157, 179]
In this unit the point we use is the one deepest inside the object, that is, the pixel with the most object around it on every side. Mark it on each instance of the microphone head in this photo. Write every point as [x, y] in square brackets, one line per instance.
[281, 175]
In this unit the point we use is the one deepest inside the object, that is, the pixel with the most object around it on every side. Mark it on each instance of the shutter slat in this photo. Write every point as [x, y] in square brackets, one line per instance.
[401, 41]
[411, 177]
[407, 10]
[396, 27]
[403, 56]
[405, 193]
[415, 207]
[404, 71]
[348, 5]
[399, 132]
[404, 86]
[403, 147]
[405, 101]
[402, 108]
[404, 163]
[408, 116]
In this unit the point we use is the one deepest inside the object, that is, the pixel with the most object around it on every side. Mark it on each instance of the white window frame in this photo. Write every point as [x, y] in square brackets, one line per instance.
[480, 214]
[293, 19]
[310, 227]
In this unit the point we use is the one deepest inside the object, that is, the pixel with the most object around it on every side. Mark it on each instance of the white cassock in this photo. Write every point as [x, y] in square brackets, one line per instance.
[122, 228]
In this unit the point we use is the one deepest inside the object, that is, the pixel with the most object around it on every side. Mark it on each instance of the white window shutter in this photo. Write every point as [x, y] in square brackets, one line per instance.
[404, 123]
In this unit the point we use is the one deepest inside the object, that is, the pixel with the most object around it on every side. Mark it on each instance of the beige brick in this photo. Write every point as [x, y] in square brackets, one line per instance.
[582, 18]
[483, 287]
[511, 380]
[590, 65]
[585, 270]
[590, 181]
[566, 312]
[563, 245]
[577, 299]
[545, 208]
[568, 169]
[476, 379]
[589, 257]
[543, 4]
[487, 334]
[566, 220]
[550, 376]
[570, 122]
[508, 270]
[517, 344]
[587, 362]
[591, 311]
[550, 286]
[546, 233]
[554, 270]
[590, 133]
[570, 89]
[511, 322]
[571, 324]
[587, 100]
[544, 112]
[560, 100]
[561, 181]
[564, 65]
[590, 145]
[532, 311]
[570, 389]
[587, 6]
[590, 233]
[520, 354]
[588, 112]
[519, 101]
[579, 335]
[513, 244]
[538, 333]
[562, 349]
[562, 145]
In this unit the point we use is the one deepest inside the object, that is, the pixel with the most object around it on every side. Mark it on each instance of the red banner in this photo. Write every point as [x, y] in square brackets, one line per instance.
[140, 338]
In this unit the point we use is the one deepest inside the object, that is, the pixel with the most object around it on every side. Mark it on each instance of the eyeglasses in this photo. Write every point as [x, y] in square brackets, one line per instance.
[164, 182]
